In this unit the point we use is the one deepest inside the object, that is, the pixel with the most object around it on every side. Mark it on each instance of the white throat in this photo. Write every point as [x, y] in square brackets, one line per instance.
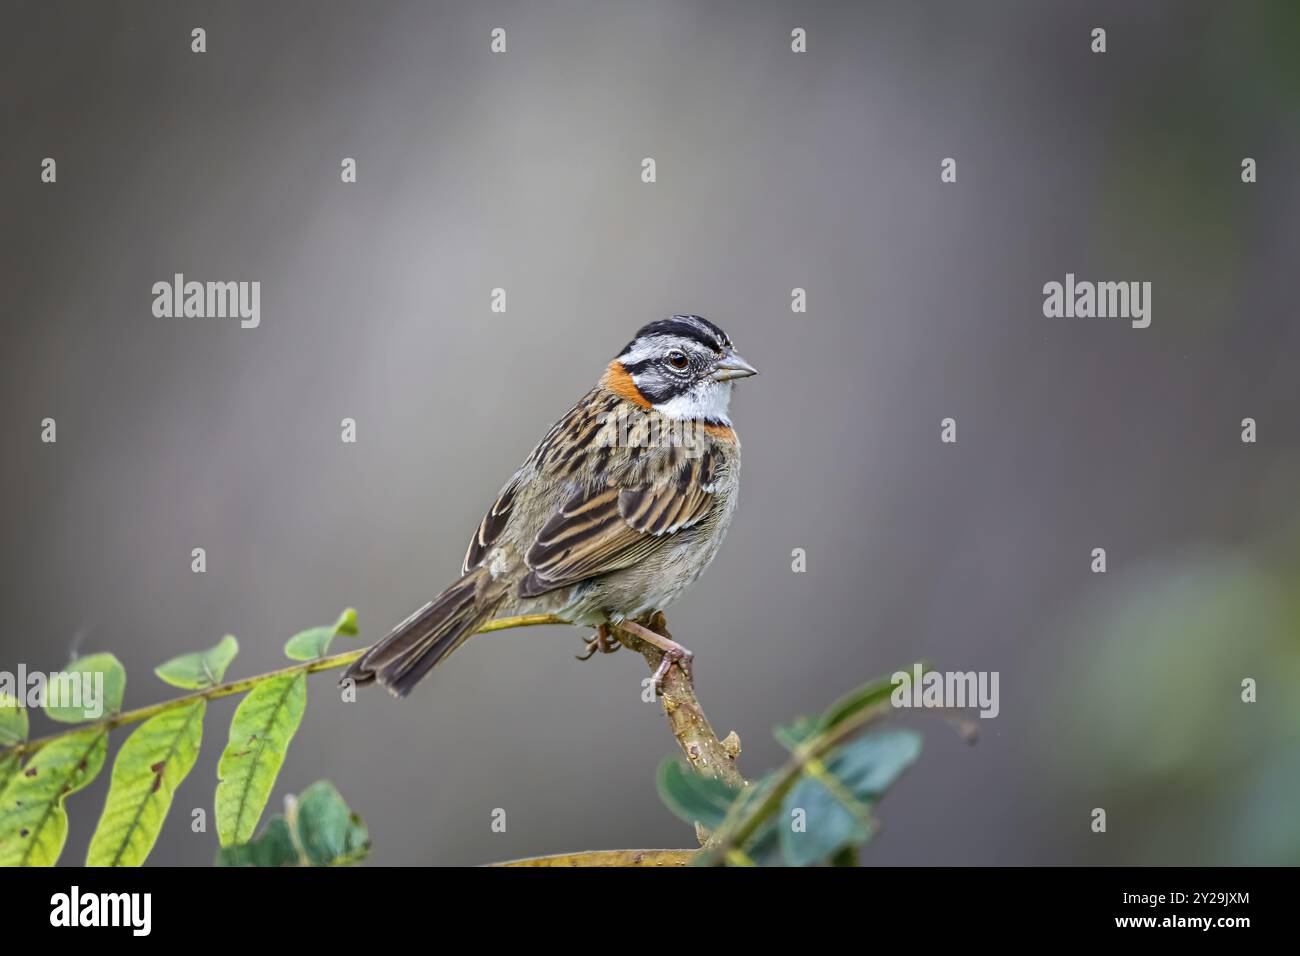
[708, 401]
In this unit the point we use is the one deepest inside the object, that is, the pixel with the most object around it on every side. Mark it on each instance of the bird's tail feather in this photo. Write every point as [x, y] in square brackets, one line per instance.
[413, 647]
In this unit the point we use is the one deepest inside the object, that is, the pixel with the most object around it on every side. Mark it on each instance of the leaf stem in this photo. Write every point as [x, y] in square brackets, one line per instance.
[230, 688]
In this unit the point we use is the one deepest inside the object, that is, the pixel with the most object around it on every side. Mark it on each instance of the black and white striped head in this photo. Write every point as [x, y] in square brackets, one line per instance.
[683, 367]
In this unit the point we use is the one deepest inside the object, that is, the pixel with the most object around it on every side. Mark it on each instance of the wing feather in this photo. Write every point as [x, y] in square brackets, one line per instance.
[489, 530]
[611, 528]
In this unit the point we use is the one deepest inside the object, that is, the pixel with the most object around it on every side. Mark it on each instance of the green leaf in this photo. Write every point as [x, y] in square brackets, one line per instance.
[836, 806]
[797, 731]
[202, 668]
[13, 721]
[33, 822]
[764, 846]
[869, 765]
[315, 642]
[329, 833]
[149, 767]
[692, 797]
[347, 623]
[871, 694]
[273, 848]
[13, 731]
[318, 829]
[9, 764]
[88, 689]
[828, 825]
[263, 725]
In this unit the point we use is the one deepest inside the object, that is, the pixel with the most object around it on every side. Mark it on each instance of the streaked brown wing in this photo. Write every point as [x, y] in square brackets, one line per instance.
[492, 525]
[613, 528]
[566, 446]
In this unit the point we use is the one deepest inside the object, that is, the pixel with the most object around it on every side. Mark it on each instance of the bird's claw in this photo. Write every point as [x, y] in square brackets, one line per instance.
[598, 643]
[684, 660]
[673, 653]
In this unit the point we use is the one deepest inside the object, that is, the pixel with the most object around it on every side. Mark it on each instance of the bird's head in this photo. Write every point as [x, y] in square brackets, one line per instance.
[681, 367]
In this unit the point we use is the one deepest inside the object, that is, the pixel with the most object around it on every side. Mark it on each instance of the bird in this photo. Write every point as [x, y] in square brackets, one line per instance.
[616, 511]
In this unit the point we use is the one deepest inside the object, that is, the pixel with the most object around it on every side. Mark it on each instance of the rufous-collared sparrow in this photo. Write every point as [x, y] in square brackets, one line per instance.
[615, 512]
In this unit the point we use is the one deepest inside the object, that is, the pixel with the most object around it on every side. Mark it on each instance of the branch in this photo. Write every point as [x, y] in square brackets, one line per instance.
[706, 754]
[647, 858]
[248, 683]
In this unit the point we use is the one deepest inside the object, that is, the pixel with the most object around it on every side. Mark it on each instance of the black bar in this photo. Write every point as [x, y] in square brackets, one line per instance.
[332, 905]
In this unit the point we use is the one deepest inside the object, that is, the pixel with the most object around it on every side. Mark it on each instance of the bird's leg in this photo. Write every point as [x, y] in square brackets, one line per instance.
[674, 653]
[599, 642]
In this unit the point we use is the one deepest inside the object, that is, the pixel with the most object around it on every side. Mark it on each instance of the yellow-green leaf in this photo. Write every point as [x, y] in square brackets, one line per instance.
[315, 642]
[33, 822]
[13, 731]
[149, 767]
[87, 689]
[9, 764]
[202, 668]
[263, 725]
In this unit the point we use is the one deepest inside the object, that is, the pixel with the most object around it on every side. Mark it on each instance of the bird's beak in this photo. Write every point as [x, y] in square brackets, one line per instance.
[732, 366]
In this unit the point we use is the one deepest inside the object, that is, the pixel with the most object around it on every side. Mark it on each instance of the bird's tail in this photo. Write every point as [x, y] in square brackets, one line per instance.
[430, 634]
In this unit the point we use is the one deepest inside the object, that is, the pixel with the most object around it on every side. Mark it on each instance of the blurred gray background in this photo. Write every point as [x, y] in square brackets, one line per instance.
[775, 170]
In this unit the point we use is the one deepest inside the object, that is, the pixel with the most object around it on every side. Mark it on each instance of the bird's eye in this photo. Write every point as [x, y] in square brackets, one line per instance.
[678, 360]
